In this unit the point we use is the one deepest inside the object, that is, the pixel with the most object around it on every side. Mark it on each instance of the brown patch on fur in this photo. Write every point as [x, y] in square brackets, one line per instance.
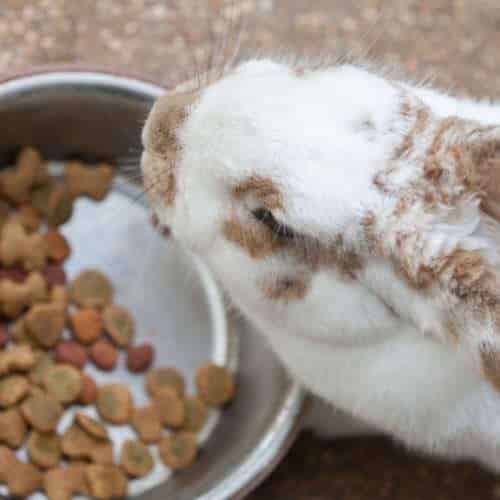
[263, 188]
[368, 223]
[256, 239]
[491, 365]
[432, 169]
[445, 125]
[287, 289]
[421, 122]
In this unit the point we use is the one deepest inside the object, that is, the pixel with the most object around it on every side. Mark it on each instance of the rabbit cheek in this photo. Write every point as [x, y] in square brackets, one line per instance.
[159, 180]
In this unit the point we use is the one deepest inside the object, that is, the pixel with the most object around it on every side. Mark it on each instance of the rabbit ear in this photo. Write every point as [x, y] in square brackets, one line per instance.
[446, 254]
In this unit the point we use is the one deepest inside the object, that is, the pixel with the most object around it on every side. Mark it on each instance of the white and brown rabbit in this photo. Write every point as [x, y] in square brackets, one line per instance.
[355, 220]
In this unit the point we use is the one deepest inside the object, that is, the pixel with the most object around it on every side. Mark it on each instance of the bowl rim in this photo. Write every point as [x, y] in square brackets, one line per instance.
[282, 433]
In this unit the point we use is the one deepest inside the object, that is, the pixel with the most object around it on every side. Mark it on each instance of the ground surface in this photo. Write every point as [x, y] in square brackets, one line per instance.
[454, 41]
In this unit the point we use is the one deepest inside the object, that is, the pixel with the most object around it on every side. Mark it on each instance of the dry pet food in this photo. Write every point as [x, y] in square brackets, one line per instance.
[21, 479]
[92, 182]
[88, 394]
[119, 324]
[71, 353]
[136, 459]
[54, 275]
[42, 411]
[13, 388]
[59, 296]
[104, 355]
[114, 403]
[4, 336]
[87, 325]
[91, 288]
[215, 385]
[105, 482]
[28, 217]
[44, 449]
[64, 382]
[196, 413]
[146, 422]
[62, 483]
[15, 297]
[165, 377]
[140, 358]
[91, 426]
[59, 206]
[178, 451]
[79, 444]
[170, 407]
[13, 428]
[43, 362]
[57, 246]
[45, 323]
[18, 359]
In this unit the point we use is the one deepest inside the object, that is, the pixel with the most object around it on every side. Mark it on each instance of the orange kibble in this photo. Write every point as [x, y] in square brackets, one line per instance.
[58, 246]
[87, 325]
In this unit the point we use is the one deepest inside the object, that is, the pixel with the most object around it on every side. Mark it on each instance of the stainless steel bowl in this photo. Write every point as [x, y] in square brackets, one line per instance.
[98, 116]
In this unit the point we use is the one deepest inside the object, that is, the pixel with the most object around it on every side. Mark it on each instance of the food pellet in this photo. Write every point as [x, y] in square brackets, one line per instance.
[22, 479]
[58, 246]
[13, 428]
[77, 443]
[105, 482]
[136, 459]
[42, 411]
[63, 482]
[119, 324]
[43, 362]
[54, 275]
[13, 388]
[59, 206]
[170, 407]
[140, 358]
[178, 451]
[91, 288]
[72, 353]
[114, 403]
[45, 323]
[88, 394]
[87, 325]
[196, 413]
[91, 426]
[64, 382]
[215, 384]
[44, 449]
[165, 377]
[146, 422]
[104, 355]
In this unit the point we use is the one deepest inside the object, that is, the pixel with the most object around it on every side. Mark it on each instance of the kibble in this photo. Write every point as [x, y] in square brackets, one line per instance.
[140, 358]
[215, 385]
[178, 451]
[104, 355]
[114, 403]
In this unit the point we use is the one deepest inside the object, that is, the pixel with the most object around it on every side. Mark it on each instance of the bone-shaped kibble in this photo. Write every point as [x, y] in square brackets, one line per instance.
[19, 247]
[86, 181]
[21, 479]
[15, 297]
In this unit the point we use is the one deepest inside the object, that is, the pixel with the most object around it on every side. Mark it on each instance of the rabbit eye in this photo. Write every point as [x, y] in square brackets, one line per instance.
[266, 217]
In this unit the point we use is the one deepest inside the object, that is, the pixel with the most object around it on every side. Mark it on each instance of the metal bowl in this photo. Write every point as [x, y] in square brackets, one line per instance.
[69, 113]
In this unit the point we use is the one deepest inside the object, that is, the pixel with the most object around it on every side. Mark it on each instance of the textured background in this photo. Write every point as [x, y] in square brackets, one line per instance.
[454, 42]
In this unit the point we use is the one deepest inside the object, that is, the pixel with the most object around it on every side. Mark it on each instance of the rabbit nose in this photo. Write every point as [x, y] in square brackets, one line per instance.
[164, 230]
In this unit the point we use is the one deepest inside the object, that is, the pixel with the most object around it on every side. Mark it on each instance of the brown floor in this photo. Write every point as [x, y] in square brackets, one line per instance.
[454, 42]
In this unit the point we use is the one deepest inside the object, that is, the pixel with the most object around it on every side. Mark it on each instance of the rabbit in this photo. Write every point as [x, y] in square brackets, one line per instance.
[353, 218]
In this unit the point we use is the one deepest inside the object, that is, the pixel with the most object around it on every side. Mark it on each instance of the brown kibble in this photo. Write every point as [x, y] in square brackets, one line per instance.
[71, 353]
[19, 247]
[87, 325]
[165, 377]
[21, 479]
[88, 393]
[92, 182]
[45, 323]
[114, 403]
[57, 245]
[44, 449]
[55, 275]
[13, 388]
[12, 428]
[196, 413]
[215, 384]
[28, 217]
[43, 362]
[63, 483]
[136, 459]
[42, 411]
[77, 443]
[140, 358]
[18, 359]
[64, 382]
[170, 407]
[15, 274]
[146, 422]
[91, 426]
[4, 335]
[59, 296]
[60, 206]
[40, 197]
[104, 355]
[119, 324]
[178, 451]
[15, 297]
[91, 288]
[105, 482]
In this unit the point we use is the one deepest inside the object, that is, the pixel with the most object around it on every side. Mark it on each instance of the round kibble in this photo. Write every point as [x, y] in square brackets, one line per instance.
[114, 403]
[13, 428]
[91, 288]
[42, 411]
[13, 388]
[55, 275]
[88, 394]
[196, 413]
[140, 358]
[170, 407]
[64, 382]
[136, 459]
[215, 384]
[45, 323]
[44, 449]
[43, 362]
[104, 355]
[146, 422]
[119, 324]
[58, 246]
[178, 451]
[87, 325]
[91, 426]
[60, 206]
[165, 377]
[105, 482]
[77, 443]
[71, 353]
